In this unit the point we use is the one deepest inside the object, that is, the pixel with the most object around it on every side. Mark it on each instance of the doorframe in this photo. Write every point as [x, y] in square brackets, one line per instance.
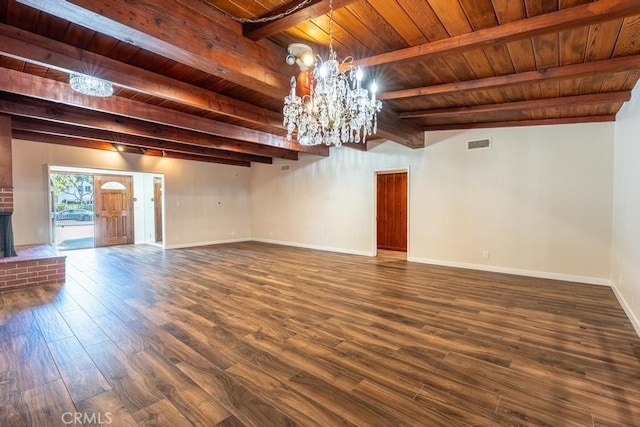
[163, 203]
[374, 231]
[51, 205]
[162, 210]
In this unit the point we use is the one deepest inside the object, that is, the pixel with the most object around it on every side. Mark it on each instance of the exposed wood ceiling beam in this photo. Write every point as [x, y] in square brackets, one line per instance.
[599, 98]
[63, 114]
[107, 146]
[356, 146]
[313, 10]
[49, 128]
[29, 135]
[35, 49]
[179, 33]
[537, 122]
[565, 19]
[182, 156]
[392, 128]
[51, 90]
[627, 63]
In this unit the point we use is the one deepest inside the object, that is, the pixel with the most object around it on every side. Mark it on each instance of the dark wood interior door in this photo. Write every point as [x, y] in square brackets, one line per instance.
[157, 207]
[391, 189]
[113, 201]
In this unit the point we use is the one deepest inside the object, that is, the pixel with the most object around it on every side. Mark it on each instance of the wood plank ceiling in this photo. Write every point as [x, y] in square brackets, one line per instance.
[190, 82]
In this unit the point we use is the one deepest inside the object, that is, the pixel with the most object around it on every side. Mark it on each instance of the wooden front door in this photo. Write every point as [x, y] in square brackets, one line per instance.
[391, 191]
[113, 201]
[157, 207]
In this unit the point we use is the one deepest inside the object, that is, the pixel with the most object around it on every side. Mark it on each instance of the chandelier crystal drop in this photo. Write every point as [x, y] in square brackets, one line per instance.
[337, 108]
[91, 86]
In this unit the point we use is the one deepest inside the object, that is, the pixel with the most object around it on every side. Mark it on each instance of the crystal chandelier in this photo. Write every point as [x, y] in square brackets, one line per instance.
[91, 86]
[336, 109]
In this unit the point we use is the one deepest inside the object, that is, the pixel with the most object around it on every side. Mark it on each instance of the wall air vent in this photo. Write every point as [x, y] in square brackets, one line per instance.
[285, 168]
[479, 143]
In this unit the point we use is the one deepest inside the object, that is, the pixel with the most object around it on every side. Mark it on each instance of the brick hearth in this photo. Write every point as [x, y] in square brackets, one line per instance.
[34, 265]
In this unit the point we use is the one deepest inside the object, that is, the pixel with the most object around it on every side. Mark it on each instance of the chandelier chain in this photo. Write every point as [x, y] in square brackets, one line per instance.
[330, 25]
[287, 12]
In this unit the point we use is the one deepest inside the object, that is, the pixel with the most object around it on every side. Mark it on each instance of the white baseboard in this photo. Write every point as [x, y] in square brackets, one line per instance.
[207, 243]
[519, 272]
[159, 245]
[144, 242]
[627, 309]
[317, 247]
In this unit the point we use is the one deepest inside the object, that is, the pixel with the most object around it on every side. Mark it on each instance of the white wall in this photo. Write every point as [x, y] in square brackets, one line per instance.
[626, 209]
[323, 202]
[539, 200]
[204, 202]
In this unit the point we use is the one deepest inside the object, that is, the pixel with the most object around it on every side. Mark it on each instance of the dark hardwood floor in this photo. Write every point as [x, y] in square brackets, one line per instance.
[263, 335]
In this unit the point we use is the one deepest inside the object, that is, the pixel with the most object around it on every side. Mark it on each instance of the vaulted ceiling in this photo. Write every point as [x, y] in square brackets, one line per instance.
[191, 82]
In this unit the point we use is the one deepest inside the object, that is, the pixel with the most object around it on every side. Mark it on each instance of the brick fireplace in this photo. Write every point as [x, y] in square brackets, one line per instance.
[6, 199]
[7, 248]
[23, 265]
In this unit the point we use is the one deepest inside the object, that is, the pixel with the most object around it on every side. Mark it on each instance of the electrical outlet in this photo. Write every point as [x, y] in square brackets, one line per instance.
[620, 279]
[39, 231]
[486, 254]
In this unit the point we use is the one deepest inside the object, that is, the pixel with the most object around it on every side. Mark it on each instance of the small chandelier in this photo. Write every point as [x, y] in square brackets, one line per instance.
[91, 86]
[333, 108]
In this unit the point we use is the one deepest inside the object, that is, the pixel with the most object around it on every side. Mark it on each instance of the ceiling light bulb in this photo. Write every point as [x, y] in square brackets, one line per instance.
[374, 87]
[359, 74]
[308, 60]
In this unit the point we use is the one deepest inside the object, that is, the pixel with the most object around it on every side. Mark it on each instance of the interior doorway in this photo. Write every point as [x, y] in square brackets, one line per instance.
[392, 210]
[128, 208]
